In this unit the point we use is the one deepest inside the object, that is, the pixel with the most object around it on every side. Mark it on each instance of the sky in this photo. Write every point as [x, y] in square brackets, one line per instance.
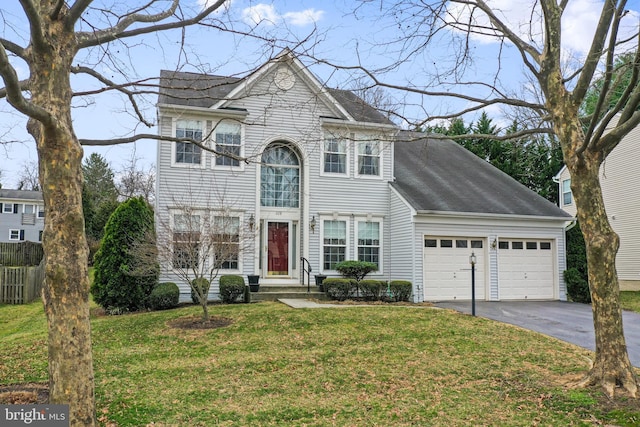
[339, 34]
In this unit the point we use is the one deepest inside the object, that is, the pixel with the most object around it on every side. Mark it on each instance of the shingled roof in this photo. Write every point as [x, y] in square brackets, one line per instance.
[20, 194]
[205, 90]
[438, 175]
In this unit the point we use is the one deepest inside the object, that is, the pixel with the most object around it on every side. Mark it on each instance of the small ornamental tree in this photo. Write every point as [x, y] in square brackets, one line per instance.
[118, 285]
[356, 269]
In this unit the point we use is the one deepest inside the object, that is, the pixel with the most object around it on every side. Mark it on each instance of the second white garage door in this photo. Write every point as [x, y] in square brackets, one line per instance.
[525, 269]
[447, 272]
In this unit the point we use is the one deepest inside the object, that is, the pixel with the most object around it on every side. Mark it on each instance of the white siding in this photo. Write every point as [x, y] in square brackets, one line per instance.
[403, 263]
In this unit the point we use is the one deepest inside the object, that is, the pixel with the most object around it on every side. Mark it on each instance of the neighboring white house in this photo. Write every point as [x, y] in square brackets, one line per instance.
[329, 178]
[619, 177]
[21, 216]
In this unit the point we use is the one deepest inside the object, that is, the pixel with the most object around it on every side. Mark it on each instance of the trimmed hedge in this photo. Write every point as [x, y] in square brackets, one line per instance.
[164, 296]
[339, 289]
[400, 290]
[355, 269]
[231, 287]
[371, 290]
[202, 285]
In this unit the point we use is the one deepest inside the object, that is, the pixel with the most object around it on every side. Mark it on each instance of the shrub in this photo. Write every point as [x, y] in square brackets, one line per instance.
[400, 290]
[164, 296]
[371, 289]
[231, 287]
[355, 269]
[577, 286]
[339, 289]
[124, 275]
[200, 286]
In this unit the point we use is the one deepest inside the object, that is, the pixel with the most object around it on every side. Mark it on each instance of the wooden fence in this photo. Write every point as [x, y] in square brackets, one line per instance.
[20, 254]
[21, 285]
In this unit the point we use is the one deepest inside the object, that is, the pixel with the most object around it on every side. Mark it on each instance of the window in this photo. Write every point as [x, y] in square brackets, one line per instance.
[40, 236]
[545, 246]
[186, 152]
[532, 245]
[476, 244]
[7, 208]
[226, 241]
[228, 141]
[16, 235]
[335, 156]
[369, 242]
[280, 178]
[517, 245]
[461, 243]
[29, 209]
[186, 241]
[430, 243]
[369, 158]
[334, 243]
[446, 243]
[566, 192]
[503, 245]
[40, 211]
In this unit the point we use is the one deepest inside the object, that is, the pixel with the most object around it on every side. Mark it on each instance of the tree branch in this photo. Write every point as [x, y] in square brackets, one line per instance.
[13, 48]
[35, 25]
[76, 11]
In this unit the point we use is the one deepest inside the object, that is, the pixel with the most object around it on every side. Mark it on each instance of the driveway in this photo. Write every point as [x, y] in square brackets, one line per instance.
[567, 321]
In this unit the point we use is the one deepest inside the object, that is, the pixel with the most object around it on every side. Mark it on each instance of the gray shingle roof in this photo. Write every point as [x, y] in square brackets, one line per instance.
[204, 90]
[440, 175]
[20, 194]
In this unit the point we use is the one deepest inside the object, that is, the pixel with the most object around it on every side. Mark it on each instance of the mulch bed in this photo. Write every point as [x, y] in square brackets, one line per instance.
[24, 394]
[196, 322]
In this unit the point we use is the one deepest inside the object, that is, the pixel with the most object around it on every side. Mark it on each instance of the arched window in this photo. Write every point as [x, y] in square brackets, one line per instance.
[280, 177]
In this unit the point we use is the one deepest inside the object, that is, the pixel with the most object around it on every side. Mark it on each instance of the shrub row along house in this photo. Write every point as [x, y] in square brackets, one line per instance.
[328, 178]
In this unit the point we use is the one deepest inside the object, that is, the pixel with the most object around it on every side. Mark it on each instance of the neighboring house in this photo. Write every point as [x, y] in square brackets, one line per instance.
[619, 177]
[329, 179]
[21, 216]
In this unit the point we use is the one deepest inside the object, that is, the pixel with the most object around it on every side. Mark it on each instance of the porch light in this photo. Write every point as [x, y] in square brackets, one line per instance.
[312, 224]
[252, 222]
[472, 259]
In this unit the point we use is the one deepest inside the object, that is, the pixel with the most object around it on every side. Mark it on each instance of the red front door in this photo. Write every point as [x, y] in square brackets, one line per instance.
[278, 249]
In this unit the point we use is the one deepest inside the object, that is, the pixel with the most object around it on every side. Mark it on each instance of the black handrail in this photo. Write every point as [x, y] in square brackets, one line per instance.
[304, 261]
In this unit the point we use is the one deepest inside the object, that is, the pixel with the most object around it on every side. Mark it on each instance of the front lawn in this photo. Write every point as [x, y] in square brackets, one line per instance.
[630, 300]
[277, 366]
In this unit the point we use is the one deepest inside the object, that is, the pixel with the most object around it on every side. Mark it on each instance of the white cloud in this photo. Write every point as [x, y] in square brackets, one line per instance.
[225, 7]
[268, 15]
[578, 22]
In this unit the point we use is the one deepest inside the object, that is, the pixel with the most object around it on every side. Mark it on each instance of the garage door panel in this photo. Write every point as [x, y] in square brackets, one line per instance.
[525, 269]
[447, 272]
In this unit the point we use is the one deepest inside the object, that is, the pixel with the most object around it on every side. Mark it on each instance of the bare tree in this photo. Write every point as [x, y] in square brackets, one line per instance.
[76, 37]
[134, 181]
[28, 179]
[423, 28]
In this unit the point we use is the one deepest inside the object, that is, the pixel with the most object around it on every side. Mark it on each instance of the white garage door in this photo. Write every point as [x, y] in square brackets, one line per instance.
[525, 269]
[447, 271]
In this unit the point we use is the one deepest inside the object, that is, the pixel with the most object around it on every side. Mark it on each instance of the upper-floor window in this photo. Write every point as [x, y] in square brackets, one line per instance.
[229, 142]
[187, 152]
[280, 177]
[335, 156]
[40, 211]
[7, 208]
[566, 192]
[369, 158]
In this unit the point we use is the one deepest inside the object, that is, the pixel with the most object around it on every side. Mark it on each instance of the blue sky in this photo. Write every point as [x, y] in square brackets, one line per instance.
[341, 36]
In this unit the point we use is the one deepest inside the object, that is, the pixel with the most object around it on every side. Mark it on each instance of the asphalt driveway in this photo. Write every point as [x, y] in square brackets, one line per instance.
[567, 321]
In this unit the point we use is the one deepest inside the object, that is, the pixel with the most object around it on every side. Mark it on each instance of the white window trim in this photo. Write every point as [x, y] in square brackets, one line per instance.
[203, 154]
[563, 192]
[240, 167]
[4, 208]
[241, 236]
[356, 169]
[11, 232]
[347, 250]
[39, 211]
[380, 221]
[347, 157]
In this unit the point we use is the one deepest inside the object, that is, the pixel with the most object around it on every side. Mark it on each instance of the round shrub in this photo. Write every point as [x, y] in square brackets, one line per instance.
[164, 296]
[199, 286]
[400, 290]
[339, 289]
[355, 269]
[370, 289]
[231, 287]
[126, 268]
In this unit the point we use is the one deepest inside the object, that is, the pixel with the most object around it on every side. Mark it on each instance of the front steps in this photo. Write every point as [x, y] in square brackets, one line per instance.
[275, 292]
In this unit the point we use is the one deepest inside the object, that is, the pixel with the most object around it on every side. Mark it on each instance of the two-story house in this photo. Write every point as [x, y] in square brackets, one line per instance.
[328, 178]
[620, 192]
[21, 216]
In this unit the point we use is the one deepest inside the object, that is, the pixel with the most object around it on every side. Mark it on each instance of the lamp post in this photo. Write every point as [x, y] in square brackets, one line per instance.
[472, 261]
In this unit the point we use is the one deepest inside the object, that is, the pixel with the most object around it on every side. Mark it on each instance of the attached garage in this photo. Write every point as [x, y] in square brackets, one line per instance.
[525, 269]
[447, 271]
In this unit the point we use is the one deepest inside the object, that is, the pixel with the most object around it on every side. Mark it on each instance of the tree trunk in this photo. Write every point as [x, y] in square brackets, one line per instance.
[611, 367]
[66, 287]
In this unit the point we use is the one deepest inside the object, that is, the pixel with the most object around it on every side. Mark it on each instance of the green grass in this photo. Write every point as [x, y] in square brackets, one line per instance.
[276, 366]
[630, 300]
